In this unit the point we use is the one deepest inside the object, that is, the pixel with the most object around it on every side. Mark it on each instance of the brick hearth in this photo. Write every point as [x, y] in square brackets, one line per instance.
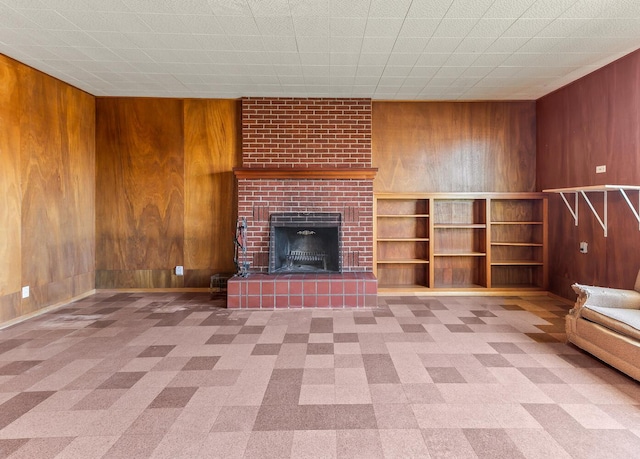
[306, 155]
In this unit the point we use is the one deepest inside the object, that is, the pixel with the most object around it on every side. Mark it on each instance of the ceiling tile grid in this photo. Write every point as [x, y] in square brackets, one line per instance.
[383, 49]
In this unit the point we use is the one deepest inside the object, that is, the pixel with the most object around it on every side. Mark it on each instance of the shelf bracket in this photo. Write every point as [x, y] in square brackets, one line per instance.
[636, 213]
[573, 210]
[595, 213]
[598, 189]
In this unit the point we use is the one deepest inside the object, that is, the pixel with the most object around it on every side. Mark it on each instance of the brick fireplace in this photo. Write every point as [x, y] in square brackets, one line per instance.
[306, 156]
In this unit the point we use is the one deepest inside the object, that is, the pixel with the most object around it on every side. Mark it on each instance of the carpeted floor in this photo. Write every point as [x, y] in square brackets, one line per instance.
[171, 375]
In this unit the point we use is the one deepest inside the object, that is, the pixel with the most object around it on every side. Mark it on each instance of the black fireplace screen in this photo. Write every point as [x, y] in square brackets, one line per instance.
[304, 243]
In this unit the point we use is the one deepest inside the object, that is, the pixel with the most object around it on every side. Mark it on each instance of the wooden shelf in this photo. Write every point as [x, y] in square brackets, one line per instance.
[518, 244]
[517, 263]
[403, 239]
[404, 261]
[460, 241]
[403, 216]
[460, 225]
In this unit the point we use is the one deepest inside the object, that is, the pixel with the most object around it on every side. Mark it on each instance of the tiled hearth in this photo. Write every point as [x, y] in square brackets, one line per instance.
[302, 291]
[306, 156]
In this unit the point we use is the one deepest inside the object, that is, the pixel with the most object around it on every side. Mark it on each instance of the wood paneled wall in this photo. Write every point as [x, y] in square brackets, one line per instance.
[454, 146]
[593, 121]
[47, 180]
[165, 191]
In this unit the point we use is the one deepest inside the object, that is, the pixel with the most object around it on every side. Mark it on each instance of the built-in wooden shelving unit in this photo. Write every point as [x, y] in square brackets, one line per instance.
[458, 241]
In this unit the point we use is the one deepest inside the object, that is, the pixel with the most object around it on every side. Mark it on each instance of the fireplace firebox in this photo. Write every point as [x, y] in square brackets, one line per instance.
[301, 242]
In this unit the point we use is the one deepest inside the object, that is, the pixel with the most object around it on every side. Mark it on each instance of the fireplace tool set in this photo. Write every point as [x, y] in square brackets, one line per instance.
[240, 246]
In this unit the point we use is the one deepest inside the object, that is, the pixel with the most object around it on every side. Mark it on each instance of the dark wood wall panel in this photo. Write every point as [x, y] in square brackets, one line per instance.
[454, 147]
[48, 184]
[140, 183]
[10, 243]
[212, 150]
[593, 121]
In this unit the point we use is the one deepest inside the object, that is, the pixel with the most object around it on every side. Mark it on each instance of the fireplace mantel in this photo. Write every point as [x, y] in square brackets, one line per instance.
[310, 173]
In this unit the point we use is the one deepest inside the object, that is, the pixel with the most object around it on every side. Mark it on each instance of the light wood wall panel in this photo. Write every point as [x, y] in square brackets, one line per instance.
[593, 121]
[10, 243]
[212, 150]
[47, 180]
[140, 183]
[454, 146]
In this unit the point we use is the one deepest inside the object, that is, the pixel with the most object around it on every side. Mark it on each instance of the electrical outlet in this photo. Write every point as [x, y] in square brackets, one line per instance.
[584, 247]
[25, 292]
[601, 169]
[179, 270]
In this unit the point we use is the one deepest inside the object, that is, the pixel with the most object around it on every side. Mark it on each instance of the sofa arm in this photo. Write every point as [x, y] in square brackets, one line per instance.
[606, 297]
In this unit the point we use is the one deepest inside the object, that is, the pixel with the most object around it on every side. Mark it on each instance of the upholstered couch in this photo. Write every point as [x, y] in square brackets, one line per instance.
[606, 323]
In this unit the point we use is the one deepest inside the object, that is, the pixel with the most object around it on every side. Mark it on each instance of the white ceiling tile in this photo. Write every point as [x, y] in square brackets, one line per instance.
[527, 27]
[410, 45]
[507, 45]
[419, 27]
[48, 19]
[374, 59]
[476, 72]
[383, 27]
[350, 9]
[389, 8]
[377, 44]
[291, 79]
[508, 8]
[311, 26]
[547, 8]
[466, 9]
[423, 72]
[106, 21]
[455, 27]
[246, 42]
[402, 59]
[165, 23]
[316, 8]
[490, 27]
[474, 44]
[429, 59]
[347, 27]
[144, 6]
[343, 71]
[345, 44]
[279, 44]
[288, 70]
[229, 7]
[284, 58]
[312, 44]
[314, 58]
[340, 58]
[396, 71]
[491, 59]
[370, 70]
[268, 7]
[275, 26]
[15, 20]
[562, 27]
[238, 25]
[442, 44]
[363, 80]
[449, 72]
[214, 42]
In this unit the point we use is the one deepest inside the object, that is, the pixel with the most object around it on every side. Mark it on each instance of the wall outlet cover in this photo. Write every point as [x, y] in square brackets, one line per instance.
[179, 270]
[25, 292]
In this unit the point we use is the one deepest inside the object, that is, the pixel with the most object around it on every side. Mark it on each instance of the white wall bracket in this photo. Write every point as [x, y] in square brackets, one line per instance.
[577, 191]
